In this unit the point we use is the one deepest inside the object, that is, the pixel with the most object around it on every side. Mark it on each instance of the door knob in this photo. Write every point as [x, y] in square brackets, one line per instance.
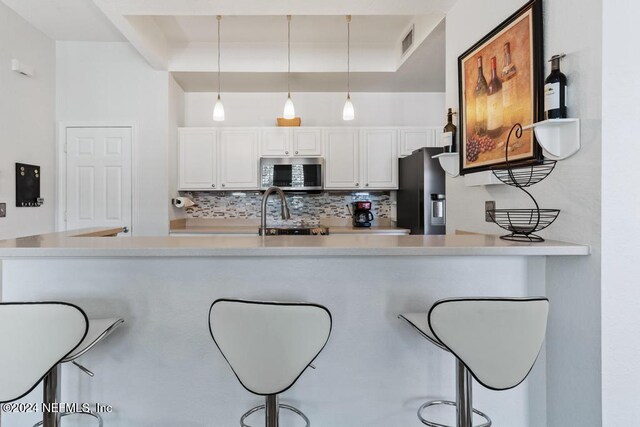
[125, 229]
[213, 185]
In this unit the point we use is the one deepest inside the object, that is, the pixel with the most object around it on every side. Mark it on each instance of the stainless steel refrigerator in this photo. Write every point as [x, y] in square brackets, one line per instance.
[421, 195]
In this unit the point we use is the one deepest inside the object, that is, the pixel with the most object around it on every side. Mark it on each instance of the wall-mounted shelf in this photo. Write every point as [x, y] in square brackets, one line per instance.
[481, 178]
[559, 138]
[450, 162]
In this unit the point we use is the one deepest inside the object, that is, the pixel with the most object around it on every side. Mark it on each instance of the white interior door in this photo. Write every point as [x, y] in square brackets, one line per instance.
[98, 188]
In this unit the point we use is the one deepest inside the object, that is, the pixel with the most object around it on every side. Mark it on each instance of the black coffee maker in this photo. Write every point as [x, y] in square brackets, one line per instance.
[362, 215]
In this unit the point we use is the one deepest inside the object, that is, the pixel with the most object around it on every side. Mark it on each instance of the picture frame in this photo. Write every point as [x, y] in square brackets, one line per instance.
[500, 83]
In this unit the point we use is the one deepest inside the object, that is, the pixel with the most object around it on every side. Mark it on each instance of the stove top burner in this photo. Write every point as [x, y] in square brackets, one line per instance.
[296, 231]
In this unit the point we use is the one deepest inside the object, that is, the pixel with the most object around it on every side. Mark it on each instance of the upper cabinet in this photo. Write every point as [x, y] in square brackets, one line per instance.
[342, 159]
[275, 142]
[361, 159]
[379, 148]
[212, 159]
[197, 152]
[238, 160]
[307, 142]
[291, 142]
[355, 158]
[412, 139]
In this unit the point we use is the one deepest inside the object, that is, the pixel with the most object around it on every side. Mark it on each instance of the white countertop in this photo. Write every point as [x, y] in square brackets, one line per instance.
[74, 245]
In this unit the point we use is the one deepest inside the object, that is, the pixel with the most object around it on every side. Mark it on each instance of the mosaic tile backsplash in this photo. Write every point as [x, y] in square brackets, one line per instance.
[306, 209]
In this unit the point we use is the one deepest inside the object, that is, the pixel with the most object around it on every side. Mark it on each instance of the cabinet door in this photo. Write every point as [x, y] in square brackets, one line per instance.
[342, 159]
[275, 142]
[197, 159]
[238, 159]
[412, 139]
[307, 142]
[380, 158]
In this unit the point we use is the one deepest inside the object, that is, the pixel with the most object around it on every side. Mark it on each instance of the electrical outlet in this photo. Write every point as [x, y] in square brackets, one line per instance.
[3, 210]
[489, 205]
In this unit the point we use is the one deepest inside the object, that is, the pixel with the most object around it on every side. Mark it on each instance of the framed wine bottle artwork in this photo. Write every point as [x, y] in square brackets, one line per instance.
[500, 84]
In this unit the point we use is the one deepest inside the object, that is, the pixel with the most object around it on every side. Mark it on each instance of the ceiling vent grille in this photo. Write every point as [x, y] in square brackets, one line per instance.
[407, 41]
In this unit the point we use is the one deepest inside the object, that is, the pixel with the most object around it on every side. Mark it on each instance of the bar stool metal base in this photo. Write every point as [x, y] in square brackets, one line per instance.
[448, 403]
[279, 406]
[90, 413]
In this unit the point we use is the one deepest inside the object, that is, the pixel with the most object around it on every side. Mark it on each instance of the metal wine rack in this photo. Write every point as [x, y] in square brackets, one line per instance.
[522, 223]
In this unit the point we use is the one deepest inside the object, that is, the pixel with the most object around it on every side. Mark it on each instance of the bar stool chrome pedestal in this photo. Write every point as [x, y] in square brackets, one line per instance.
[268, 345]
[98, 330]
[35, 338]
[495, 340]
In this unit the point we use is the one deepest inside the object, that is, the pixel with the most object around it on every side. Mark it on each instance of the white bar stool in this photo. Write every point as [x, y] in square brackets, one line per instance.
[35, 338]
[495, 340]
[98, 330]
[268, 345]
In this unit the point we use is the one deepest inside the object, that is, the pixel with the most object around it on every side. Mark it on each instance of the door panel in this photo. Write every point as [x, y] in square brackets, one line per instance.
[307, 142]
[99, 187]
[275, 142]
[413, 139]
[342, 159]
[380, 150]
[239, 159]
[197, 159]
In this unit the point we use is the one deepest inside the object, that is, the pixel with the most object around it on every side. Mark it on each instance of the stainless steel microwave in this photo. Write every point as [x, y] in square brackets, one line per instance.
[292, 173]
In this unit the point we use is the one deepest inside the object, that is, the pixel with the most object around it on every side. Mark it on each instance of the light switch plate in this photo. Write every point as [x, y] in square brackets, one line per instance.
[3, 210]
[489, 205]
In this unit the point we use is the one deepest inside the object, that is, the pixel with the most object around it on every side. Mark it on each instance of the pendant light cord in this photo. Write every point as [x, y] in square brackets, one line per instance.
[289, 55]
[348, 55]
[219, 17]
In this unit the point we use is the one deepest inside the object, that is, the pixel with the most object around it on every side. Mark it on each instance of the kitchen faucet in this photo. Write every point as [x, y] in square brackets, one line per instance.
[263, 212]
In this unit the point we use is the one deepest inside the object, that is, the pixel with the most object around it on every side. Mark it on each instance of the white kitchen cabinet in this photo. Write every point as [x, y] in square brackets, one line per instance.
[291, 142]
[307, 142]
[238, 160]
[413, 138]
[342, 159]
[275, 142]
[379, 152]
[197, 152]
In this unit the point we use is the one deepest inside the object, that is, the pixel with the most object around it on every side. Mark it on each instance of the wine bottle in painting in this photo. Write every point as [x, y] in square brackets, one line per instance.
[555, 91]
[450, 127]
[511, 110]
[495, 115]
[481, 101]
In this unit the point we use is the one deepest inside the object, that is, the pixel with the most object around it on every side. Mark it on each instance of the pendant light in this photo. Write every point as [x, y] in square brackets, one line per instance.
[348, 112]
[218, 109]
[289, 109]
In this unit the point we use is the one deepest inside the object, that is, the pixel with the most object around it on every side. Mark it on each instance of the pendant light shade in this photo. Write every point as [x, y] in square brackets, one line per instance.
[348, 112]
[218, 108]
[289, 109]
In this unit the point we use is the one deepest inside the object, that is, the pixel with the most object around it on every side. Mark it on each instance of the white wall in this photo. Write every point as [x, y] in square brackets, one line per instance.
[27, 122]
[318, 109]
[110, 82]
[176, 120]
[573, 285]
[620, 208]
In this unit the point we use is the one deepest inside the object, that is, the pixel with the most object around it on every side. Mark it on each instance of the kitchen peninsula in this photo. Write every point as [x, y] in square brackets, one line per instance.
[163, 287]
